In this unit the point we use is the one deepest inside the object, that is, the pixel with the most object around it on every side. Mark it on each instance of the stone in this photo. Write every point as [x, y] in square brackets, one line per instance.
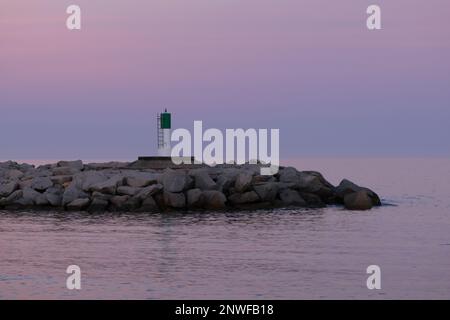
[31, 196]
[291, 198]
[246, 197]
[267, 191]
[100, 195]
[41, 183]
[14, 174]
[61, 179]
[149, 191]
[8, 188]
[359, 200]
[347, 187]
[119, 201]
[79, 204]
[243, 182]
[195, 198]
[109, 186]
[174, 200]
[174, 180]
[313, 200]
[142, 179]
[54, 196]
[16, 195]
[214, 200]
[64, 171]
[98, 205]
[86, 179]
[77, 164]
[129, 191]
[203, 181]
[149, 205]
[288, 175]
[71, 193]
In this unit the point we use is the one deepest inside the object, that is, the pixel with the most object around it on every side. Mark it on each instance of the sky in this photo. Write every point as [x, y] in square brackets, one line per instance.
[309, 68]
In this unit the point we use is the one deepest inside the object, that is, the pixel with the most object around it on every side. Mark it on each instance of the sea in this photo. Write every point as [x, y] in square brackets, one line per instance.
[264, 254]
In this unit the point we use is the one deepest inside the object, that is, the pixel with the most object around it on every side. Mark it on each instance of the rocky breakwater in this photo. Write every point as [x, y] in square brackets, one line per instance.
[72, 185]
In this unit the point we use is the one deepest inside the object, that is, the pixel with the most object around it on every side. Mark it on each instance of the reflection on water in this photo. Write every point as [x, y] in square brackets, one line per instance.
[290, 254]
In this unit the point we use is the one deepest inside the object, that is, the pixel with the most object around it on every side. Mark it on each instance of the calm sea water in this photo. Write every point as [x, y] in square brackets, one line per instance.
[279, 254]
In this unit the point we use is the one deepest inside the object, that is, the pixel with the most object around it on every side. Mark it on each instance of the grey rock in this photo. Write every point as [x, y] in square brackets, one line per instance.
[41, 183]
[14, 174]
[246, 197]
[64, 171]
[102, 196]
[31, 196]
[77, 164]
[71, 193]
[61, 179]
[174, 180]
[79, 204]
[142, 179]
[291, 198]
[267, 191]
[347, 187]
[86, 179]
[8, 188]
[119, 201]
[203, 181]
[359, 200]
[174, 200]
[243, 182]
[109, 186]
[98, 205]
[195, 198]
[149, 191]
[149, 205]
[129, 191]
[54, 197]
[16, 195]
[289, 175]
[214, 200]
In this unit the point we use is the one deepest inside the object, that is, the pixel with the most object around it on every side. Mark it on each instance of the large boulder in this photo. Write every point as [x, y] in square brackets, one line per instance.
[41, 183]
[77, 164]
[31, 196]
[149, 205]
[98, 205]
[78, 204]
[174, 200]
[243, 182]
[86, 179]
[71, 193]
[61, 179]
[8, 188]
[246, 197]
[359, 200]
[214, 200]
[347, 187]
[109, 186]
[149, 191]
[119, 202]
[175, 180]
[129, 191]
[203, 181]
[64, 171]
[54, 196]
[291, 198]
[194, 198]
[267, 191]
[13, 174]
[288, 175]
[141, 179]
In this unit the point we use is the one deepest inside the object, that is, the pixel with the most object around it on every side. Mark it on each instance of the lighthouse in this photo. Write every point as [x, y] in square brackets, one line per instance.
[163, 132]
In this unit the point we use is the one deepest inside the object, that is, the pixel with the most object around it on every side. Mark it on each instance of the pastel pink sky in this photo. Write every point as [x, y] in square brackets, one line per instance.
[309, 68]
